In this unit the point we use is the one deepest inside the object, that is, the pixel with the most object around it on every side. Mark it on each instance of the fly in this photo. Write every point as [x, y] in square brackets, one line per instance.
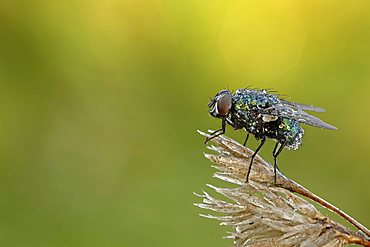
[264, 115]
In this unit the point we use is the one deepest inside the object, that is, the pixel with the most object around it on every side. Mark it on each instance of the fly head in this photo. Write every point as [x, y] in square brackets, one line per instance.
[221, 104]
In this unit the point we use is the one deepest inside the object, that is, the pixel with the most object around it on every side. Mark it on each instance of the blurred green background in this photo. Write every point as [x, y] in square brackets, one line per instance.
[100, 102]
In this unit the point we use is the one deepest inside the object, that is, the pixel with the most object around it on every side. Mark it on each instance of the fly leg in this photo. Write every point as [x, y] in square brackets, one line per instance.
[246, 139]
[215, 133]
[276, 154]
[254, 155]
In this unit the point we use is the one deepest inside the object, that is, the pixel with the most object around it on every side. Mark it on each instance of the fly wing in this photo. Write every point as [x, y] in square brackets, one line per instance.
[303, 107]
[306, 118]
[288, 111]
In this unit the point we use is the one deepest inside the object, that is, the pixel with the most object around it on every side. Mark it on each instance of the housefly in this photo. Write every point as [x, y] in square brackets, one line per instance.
[264, 115]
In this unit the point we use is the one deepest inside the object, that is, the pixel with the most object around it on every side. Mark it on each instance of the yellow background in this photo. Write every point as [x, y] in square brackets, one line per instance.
[100, 102]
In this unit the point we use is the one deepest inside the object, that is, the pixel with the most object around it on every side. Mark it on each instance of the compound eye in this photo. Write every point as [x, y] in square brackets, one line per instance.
[224, 105]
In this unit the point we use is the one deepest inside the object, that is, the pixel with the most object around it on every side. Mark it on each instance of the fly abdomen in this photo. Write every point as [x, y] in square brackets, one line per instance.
[290, 131]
